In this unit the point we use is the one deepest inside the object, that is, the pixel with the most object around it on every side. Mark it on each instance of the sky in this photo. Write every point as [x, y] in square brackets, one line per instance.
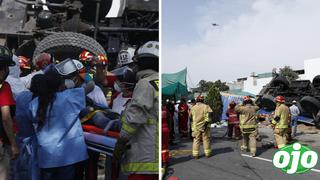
[251, 36]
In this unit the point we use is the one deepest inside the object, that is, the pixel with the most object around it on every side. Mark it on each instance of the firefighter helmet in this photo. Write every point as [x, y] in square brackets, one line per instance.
[280, 99]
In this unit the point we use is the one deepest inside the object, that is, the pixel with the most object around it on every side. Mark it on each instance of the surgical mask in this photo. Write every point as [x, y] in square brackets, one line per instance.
[117, 87]
[69, 83]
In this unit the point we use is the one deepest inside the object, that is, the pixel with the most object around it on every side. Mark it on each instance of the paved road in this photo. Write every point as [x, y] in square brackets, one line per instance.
[229, 163]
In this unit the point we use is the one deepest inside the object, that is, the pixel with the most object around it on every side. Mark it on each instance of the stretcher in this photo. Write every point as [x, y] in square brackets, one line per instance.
[100, 141]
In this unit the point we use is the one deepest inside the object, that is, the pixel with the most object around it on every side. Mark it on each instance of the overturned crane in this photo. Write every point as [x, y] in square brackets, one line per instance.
[30, 27]
[306, 93]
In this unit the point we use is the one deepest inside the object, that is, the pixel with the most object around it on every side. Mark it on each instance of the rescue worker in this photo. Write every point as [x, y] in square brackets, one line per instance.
[183, 118]
[280, 122]
[125, 56]
[233, 121]
[170, 107]
[138, 146]
[248, 124]
[7, 103]
[200, 127]
[294, 110]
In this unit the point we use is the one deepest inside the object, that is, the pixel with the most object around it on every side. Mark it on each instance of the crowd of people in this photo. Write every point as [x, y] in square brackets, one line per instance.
[45, 101]
[194, 119]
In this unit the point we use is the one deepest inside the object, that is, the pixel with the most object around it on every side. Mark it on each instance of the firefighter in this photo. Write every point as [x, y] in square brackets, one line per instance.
[233, 121]
[248, 124]
[200, 127]
[280, 122]
[137, 148]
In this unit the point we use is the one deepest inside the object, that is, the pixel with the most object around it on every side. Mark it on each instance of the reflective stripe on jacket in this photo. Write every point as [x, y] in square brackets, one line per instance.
[140, 126]
[283, 112]
[200, 115]
[248, 116]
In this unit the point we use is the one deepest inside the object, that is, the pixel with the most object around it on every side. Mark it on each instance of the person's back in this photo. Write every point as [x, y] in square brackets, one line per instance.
[199, 114]
[200, 127]
[59, 133]
[22, 117]
[60, 139]
[248, 124]
[294, 110]
[247, 115]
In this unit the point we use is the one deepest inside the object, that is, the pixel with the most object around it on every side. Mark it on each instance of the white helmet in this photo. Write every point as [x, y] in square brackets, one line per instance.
[125, 56]
[149, 49]
[68, 66]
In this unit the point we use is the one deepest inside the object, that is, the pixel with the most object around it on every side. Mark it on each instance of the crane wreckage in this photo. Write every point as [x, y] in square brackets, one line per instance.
[30, 27]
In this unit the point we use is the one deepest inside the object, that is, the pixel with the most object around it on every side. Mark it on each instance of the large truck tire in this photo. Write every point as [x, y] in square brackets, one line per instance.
[310, 104]
[281, 81]
[267, 102]
[67, 45]
[317, 120]
[316, 81]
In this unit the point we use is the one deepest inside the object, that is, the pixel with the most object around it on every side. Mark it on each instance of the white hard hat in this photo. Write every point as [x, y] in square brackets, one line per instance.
[178, 101]
[294, 101]
[125, 56]
[149, 49]
[68, 66]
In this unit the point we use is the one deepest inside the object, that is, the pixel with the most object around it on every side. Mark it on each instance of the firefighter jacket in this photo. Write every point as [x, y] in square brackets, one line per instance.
[282, 111]
[140, 126]
[248, 119]
[200, 117]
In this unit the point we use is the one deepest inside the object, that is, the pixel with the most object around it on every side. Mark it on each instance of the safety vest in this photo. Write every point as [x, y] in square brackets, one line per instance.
[140, 119]
[283, 112]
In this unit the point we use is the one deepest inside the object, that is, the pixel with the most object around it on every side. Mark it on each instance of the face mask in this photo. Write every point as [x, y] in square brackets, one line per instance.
[69, 83]
[117, 87]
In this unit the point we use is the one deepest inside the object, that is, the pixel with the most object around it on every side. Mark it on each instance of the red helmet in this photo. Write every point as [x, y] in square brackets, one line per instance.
[280, 99]
[86, 56]
[24, 62]
[246, 98]
[102, 59]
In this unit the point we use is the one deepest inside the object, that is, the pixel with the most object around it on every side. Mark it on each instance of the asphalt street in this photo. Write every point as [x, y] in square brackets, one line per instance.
[229, 163]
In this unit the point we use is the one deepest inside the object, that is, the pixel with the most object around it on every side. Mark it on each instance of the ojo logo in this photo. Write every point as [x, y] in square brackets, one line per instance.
[295, 159]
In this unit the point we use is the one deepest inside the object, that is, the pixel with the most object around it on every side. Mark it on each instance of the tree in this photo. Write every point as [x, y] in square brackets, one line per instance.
[221, 85]
[204, 86]
[288, 73]
[214, 100]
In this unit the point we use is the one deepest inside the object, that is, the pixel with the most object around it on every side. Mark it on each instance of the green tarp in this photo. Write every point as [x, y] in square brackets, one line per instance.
[175, 84]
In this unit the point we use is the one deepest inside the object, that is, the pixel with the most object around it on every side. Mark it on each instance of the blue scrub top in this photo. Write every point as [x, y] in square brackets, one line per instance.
[23, 115]
[61, 140]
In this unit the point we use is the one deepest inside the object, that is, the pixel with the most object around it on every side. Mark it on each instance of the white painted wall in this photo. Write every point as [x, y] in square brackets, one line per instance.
[311, 68]
[250, 87]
